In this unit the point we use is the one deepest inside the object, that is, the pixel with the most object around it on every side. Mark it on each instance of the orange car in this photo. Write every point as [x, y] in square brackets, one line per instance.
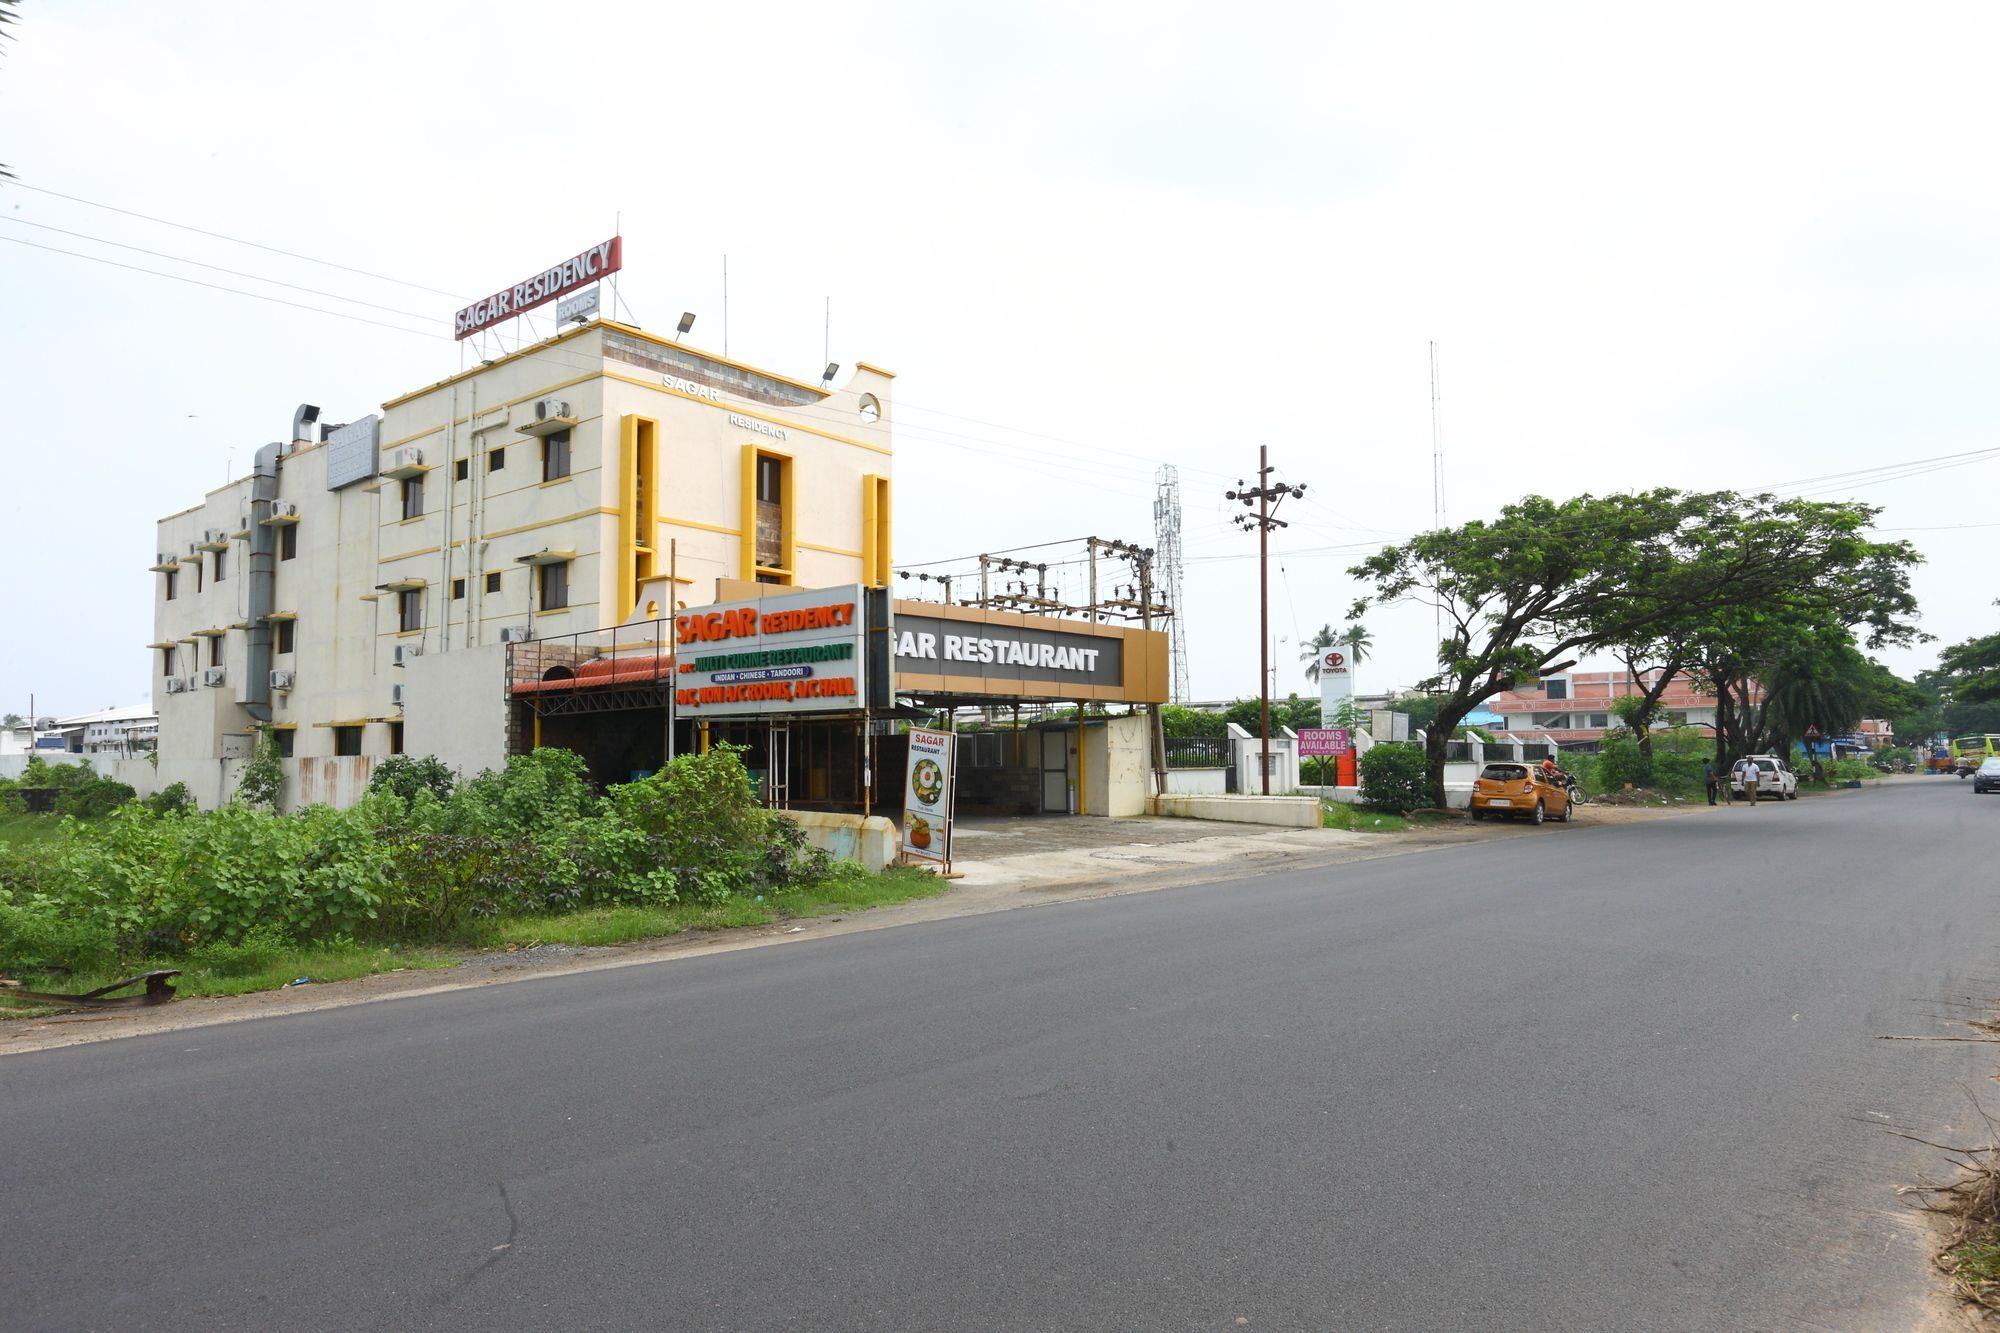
[1518, 791]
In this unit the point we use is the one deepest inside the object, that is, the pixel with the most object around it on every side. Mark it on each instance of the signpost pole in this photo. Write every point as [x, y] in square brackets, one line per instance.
[674, 654]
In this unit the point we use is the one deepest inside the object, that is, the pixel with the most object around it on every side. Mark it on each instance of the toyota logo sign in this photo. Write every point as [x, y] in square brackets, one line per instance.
[1335, 660]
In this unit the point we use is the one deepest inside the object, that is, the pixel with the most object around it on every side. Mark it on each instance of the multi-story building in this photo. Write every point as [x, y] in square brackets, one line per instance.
[1575, 707]
[533, 496]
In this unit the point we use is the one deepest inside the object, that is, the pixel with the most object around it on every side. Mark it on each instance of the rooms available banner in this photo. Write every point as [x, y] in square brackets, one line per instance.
[927, 795]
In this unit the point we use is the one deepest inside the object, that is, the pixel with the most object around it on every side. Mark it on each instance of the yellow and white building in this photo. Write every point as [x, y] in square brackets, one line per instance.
[357, 590]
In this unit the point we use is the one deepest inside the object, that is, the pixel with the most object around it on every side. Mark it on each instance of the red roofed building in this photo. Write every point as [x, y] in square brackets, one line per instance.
[1575, 706]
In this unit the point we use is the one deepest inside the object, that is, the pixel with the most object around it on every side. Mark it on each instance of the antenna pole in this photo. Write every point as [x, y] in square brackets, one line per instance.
[725, 305]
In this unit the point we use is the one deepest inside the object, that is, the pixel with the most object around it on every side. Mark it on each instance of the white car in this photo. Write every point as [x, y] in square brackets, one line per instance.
[1774, 777]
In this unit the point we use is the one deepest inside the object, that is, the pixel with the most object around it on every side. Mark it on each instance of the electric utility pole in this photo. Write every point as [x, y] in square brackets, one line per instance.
[1267, 498]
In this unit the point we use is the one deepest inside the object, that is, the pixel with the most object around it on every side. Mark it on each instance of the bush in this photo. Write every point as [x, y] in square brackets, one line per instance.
[263, 780]
[403, 775]
[93, 799]
[171, 800]
[1393, 777]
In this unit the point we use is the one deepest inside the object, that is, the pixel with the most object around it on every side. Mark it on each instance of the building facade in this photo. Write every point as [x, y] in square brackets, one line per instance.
[531, 497]
[1574, 707]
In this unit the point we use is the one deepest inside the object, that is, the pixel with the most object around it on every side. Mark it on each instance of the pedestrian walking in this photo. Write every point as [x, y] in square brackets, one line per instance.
[1748, 768]
[1708, 778]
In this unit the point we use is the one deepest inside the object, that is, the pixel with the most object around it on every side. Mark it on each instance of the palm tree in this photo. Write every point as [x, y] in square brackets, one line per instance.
[1314, 651]
[1359, 641]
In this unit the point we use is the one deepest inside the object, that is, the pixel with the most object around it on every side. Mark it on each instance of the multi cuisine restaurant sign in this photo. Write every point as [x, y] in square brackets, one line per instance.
[599, 261]
[791, 653]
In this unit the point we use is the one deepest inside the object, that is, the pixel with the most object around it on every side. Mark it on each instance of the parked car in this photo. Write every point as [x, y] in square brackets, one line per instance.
[1987, 776]
[1785, 785]
[1519, 791]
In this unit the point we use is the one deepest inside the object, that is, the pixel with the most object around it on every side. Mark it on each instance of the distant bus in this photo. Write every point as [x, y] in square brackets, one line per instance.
[1968, 751]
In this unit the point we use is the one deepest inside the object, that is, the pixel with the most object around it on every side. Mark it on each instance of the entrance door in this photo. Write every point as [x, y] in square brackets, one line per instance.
[1055, 772]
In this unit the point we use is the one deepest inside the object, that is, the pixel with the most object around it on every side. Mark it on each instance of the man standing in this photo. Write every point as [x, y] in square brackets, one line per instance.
[1708, 778]
[1750, 775]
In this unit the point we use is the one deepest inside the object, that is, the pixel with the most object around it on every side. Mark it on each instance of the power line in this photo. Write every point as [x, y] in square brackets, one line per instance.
[236, 240]
[216, 268]
[214, 286]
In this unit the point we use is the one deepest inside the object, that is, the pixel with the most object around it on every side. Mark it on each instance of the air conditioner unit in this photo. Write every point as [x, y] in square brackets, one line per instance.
[175, 685]
[194, 551]
[549, 409]
[396, 695]
[193, 683]
[406, 651]
[163, 557]
[516, 634]
[407, 461]
[213, 676]
[282, 680]
[284, 509]
[215, 536]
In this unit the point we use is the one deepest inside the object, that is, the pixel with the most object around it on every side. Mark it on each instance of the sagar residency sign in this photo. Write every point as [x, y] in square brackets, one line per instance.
[791, 653]
[599, 261]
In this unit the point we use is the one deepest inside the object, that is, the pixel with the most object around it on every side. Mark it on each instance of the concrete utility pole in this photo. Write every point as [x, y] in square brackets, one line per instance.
[1267, 498]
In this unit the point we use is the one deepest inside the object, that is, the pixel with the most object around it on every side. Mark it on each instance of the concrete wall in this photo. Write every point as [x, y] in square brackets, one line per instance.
[1198, 781]
[455, 707]
[1118, 773]
[1248, 750]
[1282, 811]
[869, 842]
[336, 780]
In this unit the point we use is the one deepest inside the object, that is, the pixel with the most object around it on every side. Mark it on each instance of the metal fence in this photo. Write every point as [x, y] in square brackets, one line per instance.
[1198, 752]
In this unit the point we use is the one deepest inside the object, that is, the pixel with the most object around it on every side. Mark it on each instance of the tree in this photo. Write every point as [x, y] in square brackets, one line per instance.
[8, 17]
[12, 720]
[263, 780]
[1421, 709]
[1359, 642]
[1532, 590]
[1314, 652]
[1974, 669]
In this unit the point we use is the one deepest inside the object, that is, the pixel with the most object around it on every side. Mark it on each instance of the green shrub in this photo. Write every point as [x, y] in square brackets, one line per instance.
[263, 782]
[1393, 777]
[175, 799]
[403, 775]
[94, 799]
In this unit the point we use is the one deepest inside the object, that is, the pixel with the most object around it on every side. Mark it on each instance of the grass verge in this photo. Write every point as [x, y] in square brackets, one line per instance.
[260, 965]
[18, 830]
[1354, 819]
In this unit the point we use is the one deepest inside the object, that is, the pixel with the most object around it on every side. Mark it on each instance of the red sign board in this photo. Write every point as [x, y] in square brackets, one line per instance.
[599, 261]
[1812, 732]
[1322, 742]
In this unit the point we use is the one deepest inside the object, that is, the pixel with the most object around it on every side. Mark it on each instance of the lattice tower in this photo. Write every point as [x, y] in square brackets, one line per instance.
[1167, 563]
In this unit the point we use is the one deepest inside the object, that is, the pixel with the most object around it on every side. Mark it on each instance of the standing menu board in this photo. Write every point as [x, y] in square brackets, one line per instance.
[927, 796]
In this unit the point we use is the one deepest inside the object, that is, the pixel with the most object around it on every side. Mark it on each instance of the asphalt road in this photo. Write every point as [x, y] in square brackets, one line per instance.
[1619, 1078]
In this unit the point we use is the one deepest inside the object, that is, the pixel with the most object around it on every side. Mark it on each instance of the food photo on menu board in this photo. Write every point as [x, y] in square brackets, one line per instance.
[927, 795]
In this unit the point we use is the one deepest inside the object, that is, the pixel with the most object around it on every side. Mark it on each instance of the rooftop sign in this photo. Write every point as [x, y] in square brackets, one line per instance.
[599, 261]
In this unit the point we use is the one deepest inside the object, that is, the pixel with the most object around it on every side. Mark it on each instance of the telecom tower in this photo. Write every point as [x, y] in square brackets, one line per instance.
[1167, 555]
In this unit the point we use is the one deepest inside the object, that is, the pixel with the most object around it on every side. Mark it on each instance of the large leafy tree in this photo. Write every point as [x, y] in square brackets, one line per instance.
[1546, 582]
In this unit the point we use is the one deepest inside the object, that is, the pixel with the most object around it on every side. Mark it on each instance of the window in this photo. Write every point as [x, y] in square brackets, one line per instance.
[493, 583]
[555, 586]
[770, 480]
[173, 583]
[1600, 719]
[288, 541]
[1558, 689]
[283, 736]
[347, 740]
[166, 661]
[221, 566]
[197, 576]
[496, 459]
[413, 498]
[458, 590]
[287, 635]
[461, 469]
[395, 738]
[215, 650]
[410, 609]
[555, 455]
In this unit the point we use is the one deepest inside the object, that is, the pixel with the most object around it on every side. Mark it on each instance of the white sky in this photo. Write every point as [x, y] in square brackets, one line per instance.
[1712, 246]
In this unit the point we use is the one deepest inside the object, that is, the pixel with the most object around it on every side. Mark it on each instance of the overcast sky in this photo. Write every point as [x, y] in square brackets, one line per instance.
[1732, 246]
